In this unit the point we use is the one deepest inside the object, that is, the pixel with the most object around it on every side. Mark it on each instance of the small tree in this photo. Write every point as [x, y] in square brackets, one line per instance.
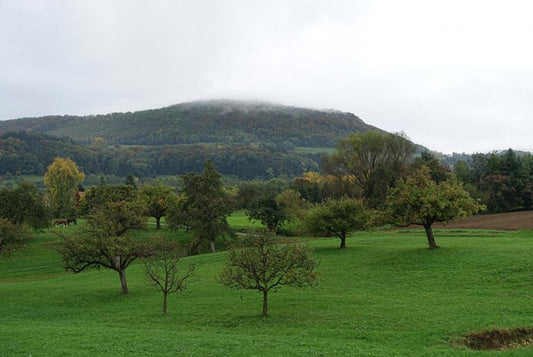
[293, 204]
[338, 217]
[130, 181]
[163, 269]
[63, 178]
[158, 199]
[12, 236]
[260, 262]
[24, 205]
[269, 211]
[115, 253]
[107, 245]
[420, 200]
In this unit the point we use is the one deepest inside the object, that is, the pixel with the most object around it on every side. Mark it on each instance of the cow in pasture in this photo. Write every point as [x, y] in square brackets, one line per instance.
[61, 223]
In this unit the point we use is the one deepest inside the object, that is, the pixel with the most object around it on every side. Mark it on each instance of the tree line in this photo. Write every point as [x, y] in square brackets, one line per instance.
[24, 153]
[502, 181]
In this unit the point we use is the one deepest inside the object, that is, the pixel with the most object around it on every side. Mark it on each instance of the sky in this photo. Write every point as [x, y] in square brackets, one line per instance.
[453, 75]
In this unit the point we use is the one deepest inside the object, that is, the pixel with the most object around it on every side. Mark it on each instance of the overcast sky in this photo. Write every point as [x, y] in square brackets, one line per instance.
[454, 75]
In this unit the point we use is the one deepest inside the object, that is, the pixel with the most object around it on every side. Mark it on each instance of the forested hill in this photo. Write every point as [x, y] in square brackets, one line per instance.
[244, 139]
[217, 121]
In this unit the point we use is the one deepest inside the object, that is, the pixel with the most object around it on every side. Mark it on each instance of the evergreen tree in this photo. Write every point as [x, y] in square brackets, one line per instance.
[206, 205]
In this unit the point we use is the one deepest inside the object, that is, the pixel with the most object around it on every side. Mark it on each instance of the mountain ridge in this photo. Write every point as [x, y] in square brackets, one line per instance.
[201, 121]
[245, 139]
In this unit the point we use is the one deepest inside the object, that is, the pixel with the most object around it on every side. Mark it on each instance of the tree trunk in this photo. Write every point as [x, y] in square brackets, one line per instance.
[212, 245]
[158, 222]
[123, 283]
[431, 239]
[165, 303]
[265, 302]
[343, 242]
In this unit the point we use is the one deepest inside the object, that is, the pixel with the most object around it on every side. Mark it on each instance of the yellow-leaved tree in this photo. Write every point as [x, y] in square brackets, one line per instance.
[63, 179]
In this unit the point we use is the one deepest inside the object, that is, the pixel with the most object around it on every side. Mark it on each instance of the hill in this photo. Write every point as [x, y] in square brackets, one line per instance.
[215, 121]
[24, 153]
[245, 139]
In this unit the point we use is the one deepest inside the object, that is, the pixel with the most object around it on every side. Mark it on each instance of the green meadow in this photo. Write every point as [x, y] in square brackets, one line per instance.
[385, 295]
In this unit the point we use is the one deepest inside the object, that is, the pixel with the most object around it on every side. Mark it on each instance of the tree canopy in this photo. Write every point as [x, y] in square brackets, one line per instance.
[373, 160]
[261, 262]
[113, 211]
[418, 199]
[12, 236]
[24, 205]
[158, 199]
[63, 179]
[205, 205]
[339, 217]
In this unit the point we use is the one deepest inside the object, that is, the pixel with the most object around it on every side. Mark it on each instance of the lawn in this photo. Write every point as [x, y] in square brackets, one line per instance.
[385, 295]
[239, 221]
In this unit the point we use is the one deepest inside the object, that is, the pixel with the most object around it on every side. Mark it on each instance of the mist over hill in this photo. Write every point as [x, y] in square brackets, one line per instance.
[247, 139]
[213, 121]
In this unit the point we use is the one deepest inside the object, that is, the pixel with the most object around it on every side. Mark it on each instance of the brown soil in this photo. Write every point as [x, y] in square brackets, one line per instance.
[500, 221]
[499, 339]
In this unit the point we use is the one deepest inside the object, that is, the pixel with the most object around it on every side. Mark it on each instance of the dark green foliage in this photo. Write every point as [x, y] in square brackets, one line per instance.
[130, 181]
[200, 122]
[502, 181]
[24, 205]
[98, 196]
[205, 205]
[25, 153]
[115, 218]
[12, 236]
[438, 171]
[250, 191]
[245, 139]
[309, 190]
[261, 262]
[268, 211]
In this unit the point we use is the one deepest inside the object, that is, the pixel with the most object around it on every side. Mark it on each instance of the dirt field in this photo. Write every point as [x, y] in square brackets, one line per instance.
[501, 221]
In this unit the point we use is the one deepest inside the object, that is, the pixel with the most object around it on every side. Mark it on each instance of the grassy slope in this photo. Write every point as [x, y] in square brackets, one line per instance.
[386, 295]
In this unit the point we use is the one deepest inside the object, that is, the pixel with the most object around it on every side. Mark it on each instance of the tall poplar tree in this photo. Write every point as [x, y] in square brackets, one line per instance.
[63, 178]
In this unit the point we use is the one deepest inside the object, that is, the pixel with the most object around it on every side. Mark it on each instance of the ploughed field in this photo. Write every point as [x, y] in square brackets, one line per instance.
[385, 295]
[500, 221]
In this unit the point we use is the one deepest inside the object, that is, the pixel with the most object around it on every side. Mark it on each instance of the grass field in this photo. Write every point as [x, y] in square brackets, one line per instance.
[385, 295]
[239, 221]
